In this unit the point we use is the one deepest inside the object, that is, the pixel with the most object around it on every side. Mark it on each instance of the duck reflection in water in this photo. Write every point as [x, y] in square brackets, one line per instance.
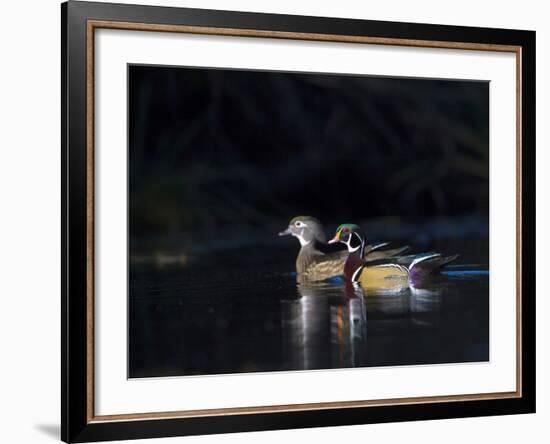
[325, 316]
[326, 327]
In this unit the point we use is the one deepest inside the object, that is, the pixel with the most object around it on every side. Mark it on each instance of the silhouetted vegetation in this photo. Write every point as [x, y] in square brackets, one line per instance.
[217, 151]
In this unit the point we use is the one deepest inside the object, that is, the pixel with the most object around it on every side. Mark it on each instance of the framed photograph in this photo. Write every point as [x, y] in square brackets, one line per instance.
[276, 221]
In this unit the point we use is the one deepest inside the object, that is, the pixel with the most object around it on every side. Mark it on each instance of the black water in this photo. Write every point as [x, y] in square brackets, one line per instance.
[237, 311]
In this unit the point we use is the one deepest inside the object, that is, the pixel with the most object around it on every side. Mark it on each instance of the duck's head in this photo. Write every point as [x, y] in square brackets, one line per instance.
[306, 228]
[349, 234]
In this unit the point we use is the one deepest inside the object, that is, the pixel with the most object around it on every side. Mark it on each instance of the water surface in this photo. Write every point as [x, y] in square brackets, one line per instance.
[244, 312]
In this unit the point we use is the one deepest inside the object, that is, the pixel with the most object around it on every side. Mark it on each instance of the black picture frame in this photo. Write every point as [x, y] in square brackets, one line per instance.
[76, 423]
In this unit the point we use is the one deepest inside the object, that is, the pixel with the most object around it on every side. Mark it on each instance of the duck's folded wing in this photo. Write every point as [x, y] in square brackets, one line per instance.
[429, 264]
[374, 255]
[373, 247]
[410, 259]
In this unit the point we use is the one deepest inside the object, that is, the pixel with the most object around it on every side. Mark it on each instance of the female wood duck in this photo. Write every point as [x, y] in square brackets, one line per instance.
[312, 264]
[391, 273]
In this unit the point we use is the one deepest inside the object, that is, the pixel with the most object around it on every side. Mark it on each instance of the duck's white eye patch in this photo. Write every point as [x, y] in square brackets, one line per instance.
[299, 224]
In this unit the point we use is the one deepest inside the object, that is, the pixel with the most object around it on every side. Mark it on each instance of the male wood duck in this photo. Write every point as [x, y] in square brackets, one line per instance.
[385, 274]
[312, 264]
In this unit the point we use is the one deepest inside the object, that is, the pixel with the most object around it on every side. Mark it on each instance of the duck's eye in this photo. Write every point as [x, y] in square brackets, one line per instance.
[299, 224]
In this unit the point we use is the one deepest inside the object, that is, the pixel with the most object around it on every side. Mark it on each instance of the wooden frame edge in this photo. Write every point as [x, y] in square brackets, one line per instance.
[302, 407]
[90, 184]
[91, 25]
[519, 218]
[335, 38]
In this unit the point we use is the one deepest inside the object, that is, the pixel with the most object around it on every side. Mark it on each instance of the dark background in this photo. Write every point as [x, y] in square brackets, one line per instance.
[224, 157]
[221, 160]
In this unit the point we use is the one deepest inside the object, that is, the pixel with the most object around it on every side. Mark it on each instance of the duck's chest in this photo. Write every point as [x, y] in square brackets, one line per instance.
[353, 263]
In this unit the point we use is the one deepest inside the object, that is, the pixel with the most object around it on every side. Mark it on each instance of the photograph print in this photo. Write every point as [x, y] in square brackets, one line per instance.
[291, 221]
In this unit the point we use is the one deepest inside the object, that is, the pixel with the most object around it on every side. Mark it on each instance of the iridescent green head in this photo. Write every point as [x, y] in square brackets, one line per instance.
[349, 234]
